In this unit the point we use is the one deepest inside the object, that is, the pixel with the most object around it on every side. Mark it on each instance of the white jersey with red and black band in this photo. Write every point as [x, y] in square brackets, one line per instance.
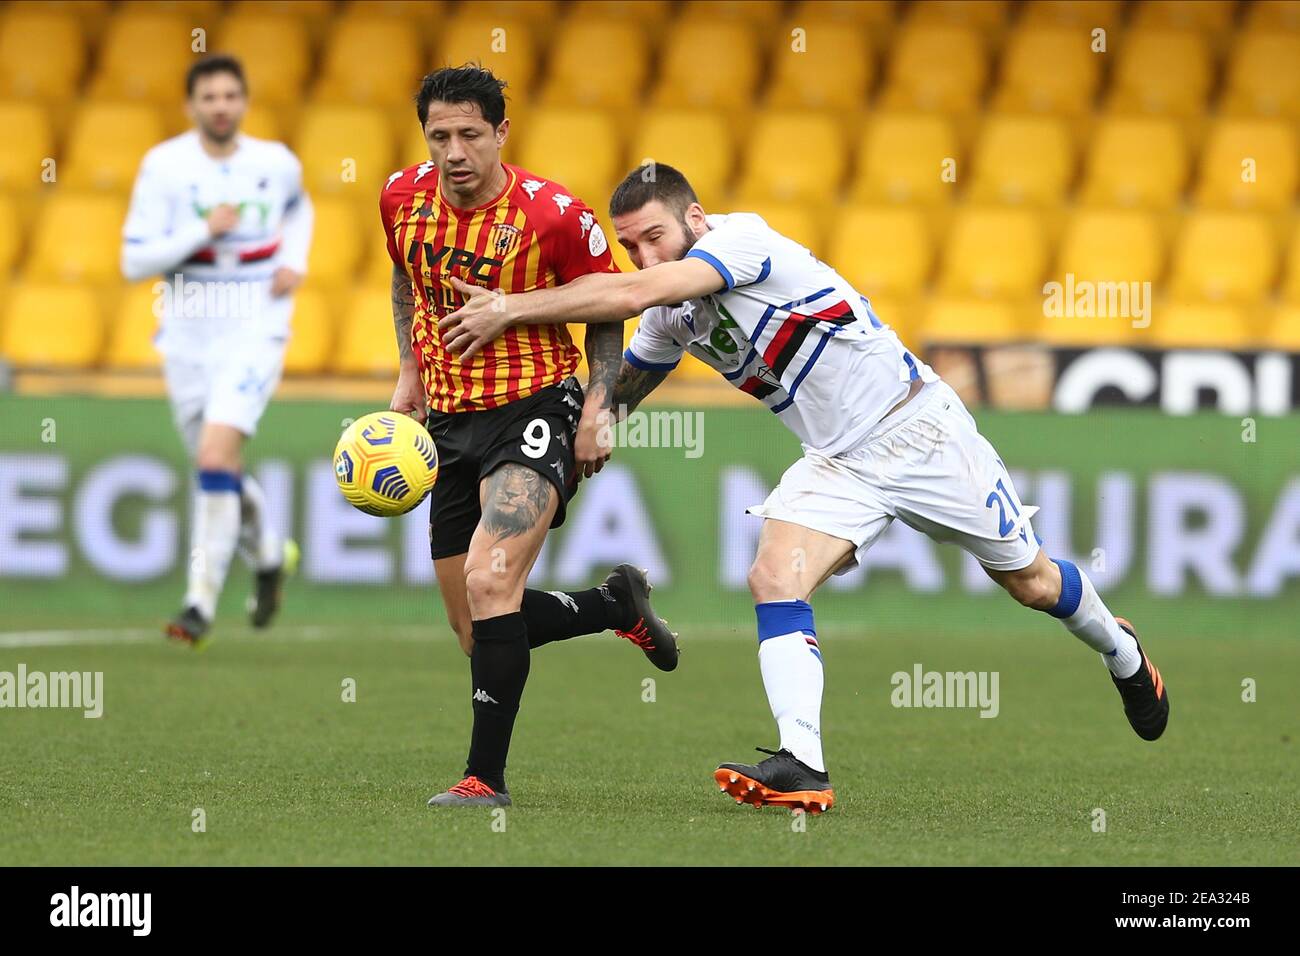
[787, 329]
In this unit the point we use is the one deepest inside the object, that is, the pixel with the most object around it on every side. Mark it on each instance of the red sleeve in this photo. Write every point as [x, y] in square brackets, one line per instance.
[575, 244]
[390, 197]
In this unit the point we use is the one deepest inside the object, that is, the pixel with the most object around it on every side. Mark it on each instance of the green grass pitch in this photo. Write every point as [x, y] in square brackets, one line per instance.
[256, 734]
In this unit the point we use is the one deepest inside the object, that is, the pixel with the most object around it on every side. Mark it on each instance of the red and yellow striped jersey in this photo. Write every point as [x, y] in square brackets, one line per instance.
[534, 235]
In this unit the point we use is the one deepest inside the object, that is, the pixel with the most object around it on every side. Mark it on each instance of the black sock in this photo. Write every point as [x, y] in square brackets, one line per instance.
[570, 614]
[499, 670]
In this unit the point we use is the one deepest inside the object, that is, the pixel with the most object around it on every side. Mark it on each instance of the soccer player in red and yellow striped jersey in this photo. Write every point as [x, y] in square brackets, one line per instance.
[513, 428]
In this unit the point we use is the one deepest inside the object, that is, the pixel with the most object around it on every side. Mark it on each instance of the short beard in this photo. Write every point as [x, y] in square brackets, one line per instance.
[219, 138]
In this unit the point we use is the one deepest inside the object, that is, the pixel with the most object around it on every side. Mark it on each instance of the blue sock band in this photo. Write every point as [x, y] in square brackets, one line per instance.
[1071, 590]
[784, 617]
[220, 481]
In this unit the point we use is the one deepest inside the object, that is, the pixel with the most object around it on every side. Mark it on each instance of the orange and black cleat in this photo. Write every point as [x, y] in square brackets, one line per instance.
[782, 780]
[189, 627]
[471, 792]
[630, 589]
[1146, 701]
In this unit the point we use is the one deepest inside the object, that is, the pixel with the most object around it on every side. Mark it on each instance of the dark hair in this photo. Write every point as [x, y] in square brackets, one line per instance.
[211, 65]
[648, 182]
[463, 84]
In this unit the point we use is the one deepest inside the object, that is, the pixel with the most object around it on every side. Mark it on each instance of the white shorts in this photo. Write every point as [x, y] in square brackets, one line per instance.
[926, 465]
[230, 385]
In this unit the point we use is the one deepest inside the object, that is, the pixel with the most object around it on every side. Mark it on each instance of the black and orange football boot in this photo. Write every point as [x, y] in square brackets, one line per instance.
[189, 627]
[1146, 700]
[782, 780]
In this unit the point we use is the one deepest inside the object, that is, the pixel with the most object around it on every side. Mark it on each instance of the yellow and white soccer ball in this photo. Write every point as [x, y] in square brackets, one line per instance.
[385, 463]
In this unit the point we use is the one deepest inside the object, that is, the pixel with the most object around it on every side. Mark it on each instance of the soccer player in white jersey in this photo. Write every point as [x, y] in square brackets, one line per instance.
[883, 438]
[223, 220]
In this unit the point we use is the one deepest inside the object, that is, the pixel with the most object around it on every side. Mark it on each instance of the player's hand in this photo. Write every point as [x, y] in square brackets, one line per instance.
[408, 397]
[593, 444]
[222, 219]
[483, 317]
[284, 281]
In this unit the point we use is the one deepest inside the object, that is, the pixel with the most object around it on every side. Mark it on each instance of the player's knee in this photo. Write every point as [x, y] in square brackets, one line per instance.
[770, 582]
[1032, 590]
[464, 632]
[486, 589]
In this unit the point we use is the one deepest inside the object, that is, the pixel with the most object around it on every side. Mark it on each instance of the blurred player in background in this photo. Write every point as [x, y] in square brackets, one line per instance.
[513, 428]
[883, 438]
[223, 219]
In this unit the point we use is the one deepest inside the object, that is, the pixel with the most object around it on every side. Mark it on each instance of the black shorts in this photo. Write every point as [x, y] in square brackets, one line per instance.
[537, 432]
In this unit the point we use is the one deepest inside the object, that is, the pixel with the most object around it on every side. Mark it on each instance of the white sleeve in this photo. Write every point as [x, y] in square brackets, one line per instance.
[150, 244]
[295, 227]
[652, 349]
[738, 249]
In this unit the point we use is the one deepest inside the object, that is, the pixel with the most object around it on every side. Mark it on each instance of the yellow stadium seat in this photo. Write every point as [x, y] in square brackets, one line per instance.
[317, 16]
[936, 67]
[9, 233]
[41, 53]
[994, 251]
[760, 13]
[986, 16]
[578, 148]
[902, 158]
[537, 12]
[1195, 324]
[708, 63]
[418, 13]
[1076, 329]
[794, 156]
[312, 336]
[107, 142]
[509, 48]
[1164, 70]
[337, 240]
[371, 60]
[1136, 161]
[1223, 256]
[1273, 15]
[1249, 163]
[130, 337]
[1105, 14]
[1049, 69]
[365, 341]
[1283, 330]
[649, 13]
[1210, 16]
[29, 143]
[827, 66]
[959, 320]
[882, 250]
[1261, 77]
[189, 8]
[598, 63]
[1111, 245]
[1291, 271]
[345, 149]
[696, 142]
[792, 220]
[145, 56]
[33, 310]
[274, 51]
[78, 238]
[1022, 159]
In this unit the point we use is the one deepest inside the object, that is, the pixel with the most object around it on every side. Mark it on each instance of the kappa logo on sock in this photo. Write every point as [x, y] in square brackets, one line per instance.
[483, 697]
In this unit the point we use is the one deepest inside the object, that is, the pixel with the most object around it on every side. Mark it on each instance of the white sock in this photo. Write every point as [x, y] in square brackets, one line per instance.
[793, 677]
[214, 538]
[259, 545]
[1086, 616]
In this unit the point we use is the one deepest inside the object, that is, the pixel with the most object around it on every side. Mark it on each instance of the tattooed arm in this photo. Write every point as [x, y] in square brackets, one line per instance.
[592, 445]
[632, 385]
[409, 395]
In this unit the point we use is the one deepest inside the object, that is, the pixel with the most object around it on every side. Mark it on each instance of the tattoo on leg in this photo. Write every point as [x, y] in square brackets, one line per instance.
[515, 500]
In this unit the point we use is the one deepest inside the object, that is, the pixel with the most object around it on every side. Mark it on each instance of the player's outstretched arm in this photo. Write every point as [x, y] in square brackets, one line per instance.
[408, 397]
[598, 297]
[632, 385]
